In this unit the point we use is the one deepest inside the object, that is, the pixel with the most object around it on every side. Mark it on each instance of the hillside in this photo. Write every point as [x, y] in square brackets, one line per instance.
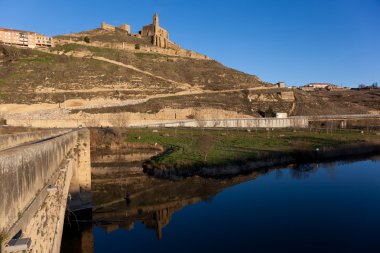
[76, 79]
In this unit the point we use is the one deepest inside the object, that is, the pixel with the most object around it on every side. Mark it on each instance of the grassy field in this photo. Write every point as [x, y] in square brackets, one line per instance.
[212, 147]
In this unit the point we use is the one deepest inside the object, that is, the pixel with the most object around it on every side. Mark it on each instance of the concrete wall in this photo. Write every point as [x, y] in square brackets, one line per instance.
[25, 171]
[13, 140]
[242, 123]
[235, 123]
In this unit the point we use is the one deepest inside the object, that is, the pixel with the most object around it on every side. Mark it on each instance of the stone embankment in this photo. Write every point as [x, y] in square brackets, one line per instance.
[267, 160]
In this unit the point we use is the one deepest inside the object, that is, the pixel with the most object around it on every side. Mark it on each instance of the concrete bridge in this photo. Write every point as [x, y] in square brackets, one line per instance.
[38, 172]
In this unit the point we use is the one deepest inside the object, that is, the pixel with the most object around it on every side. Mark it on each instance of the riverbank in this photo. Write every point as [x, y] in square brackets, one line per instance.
[223, 153]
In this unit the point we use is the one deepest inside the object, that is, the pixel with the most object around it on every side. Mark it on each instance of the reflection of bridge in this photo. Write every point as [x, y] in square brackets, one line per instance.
[38, 170]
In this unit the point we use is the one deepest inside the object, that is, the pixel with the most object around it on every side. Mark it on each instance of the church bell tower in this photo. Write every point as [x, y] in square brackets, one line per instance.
[155, 19]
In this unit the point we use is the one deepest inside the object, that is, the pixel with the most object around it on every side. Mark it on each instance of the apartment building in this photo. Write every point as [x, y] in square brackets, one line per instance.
[24, 38]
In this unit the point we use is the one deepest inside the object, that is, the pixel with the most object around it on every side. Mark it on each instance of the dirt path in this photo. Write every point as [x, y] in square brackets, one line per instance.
[184, 85]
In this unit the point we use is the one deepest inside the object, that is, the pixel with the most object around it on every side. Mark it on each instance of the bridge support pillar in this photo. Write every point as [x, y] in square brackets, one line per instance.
[80, 186]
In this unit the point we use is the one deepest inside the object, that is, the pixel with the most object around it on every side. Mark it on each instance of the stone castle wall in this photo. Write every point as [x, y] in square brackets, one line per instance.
[126, 28]
[143, 49]
[106, 26]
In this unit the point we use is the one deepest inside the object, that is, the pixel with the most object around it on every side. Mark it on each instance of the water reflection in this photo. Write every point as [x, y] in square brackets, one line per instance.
[123, 196]
[150, 201]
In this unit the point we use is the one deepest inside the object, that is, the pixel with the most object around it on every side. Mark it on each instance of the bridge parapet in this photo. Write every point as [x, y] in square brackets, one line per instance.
[26, 173]
[13, 140]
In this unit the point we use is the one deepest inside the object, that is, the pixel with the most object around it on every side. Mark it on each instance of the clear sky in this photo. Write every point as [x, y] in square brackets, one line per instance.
[296, 41]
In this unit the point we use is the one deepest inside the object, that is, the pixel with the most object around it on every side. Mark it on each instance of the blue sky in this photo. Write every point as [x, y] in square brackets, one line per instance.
[296, 41]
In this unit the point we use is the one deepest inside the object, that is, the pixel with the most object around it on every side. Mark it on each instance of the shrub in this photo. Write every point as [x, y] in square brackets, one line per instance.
[270, 113]
[87, 39]
[137, 46]
[2, 237]
[2, 122]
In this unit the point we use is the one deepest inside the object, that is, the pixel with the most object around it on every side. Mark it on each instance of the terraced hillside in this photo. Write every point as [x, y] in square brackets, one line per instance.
[49, 78]
[75, 69]
[75, 80]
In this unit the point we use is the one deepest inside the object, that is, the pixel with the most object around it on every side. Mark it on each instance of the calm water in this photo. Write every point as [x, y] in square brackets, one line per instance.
[314, 208]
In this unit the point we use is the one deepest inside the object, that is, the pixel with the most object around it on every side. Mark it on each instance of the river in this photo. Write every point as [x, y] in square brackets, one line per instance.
[332, 207]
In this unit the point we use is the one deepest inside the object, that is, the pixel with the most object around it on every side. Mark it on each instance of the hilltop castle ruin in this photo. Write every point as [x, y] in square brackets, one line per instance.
[155, 34]
[151, 38]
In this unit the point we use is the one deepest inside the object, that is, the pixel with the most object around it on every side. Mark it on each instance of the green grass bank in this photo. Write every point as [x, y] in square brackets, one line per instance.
[223, 152]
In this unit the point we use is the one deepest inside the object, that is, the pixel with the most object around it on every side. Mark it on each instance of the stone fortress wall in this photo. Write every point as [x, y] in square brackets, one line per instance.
[109, 27]
[180, 52]
[106, 26]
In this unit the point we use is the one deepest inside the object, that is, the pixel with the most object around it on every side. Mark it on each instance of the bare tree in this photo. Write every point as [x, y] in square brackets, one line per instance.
[200, 119]
[119, 120]
[205, 144]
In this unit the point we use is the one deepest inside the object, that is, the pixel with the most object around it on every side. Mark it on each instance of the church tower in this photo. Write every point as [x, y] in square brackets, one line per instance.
[155, 19]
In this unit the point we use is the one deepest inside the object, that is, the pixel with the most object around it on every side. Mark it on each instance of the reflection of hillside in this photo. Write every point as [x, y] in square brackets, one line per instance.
[154, 217]
[153, 201]
[101, 158]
